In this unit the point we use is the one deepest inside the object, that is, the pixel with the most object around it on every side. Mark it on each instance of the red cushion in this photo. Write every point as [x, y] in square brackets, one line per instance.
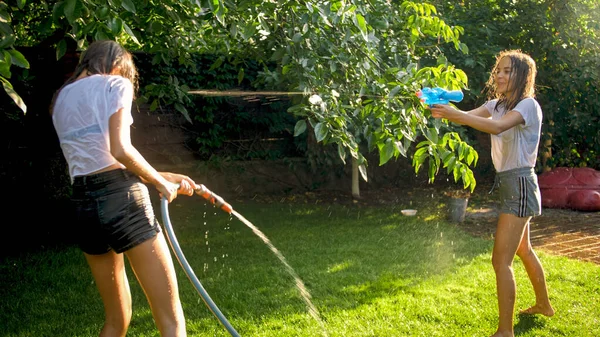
[567, 187]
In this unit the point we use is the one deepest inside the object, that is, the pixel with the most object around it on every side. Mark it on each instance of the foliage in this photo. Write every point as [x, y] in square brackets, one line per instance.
[72, 24]
[10, 56]
[359, 65]
[235, 128]
[171, 32]
[455, 160]
[564, 39]
[365, 59]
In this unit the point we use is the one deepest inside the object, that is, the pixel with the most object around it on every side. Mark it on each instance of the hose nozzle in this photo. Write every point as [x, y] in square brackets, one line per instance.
[207, 194]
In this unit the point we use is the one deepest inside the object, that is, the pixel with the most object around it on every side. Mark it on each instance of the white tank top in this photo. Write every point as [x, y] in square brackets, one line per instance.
[80, 117]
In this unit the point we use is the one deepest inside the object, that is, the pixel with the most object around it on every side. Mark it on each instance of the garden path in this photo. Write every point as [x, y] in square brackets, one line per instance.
[565, 232]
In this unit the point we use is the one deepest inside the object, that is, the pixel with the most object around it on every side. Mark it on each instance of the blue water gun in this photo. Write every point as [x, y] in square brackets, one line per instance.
[432, 96]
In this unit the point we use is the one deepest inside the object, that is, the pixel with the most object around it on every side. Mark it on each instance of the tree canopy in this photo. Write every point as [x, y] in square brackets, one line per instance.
[358, 63]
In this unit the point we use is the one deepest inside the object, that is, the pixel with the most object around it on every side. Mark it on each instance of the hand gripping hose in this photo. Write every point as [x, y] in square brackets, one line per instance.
[218, 202]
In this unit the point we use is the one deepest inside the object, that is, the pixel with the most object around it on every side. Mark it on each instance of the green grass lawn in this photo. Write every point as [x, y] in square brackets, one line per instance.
[369, 270]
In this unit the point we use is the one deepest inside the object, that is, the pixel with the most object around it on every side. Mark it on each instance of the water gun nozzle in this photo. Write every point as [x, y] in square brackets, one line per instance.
[432, 96]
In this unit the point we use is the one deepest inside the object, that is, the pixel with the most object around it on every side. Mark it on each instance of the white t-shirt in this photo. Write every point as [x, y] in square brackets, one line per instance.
[80, 117]
[516, 147]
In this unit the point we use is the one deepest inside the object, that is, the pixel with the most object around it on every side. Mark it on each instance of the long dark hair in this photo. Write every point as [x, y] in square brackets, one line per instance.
[522, 79]
[101, 57]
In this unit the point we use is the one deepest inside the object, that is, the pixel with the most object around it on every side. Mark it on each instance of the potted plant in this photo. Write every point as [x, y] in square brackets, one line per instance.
[457, 204]
[449, 152]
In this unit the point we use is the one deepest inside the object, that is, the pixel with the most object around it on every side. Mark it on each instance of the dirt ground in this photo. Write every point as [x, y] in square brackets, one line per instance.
[571, 233]
[565, 232]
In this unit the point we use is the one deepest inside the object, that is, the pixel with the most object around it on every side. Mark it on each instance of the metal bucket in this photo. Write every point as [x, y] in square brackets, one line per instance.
[457, 208]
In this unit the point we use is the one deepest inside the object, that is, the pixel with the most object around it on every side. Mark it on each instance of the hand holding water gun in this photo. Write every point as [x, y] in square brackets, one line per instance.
[431, 96]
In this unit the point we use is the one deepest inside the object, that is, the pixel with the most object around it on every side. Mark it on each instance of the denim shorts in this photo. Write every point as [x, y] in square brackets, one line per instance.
[519, 192]
[113, 211]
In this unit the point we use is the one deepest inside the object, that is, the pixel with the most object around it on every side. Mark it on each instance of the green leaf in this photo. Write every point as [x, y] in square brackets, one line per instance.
[102, 12]
[297, 38]
[154, 105]
[57, 11]
[450, 164]
[13, 94]
[5, 69]
[432, 170]
[100, 35]
[61, 49]
[128, 5]
[381, 24]
[300, 127]
[7, 42]
[21, 4]
[4, 16]
[320, 132]
[72, 10]
[386, 153]
[362, 168]
[361, 23]
[419, 158]
[18, 59]
[131, 34]
[400, 147]
[342, 152]
[216, 64]
[456, 171]
[240, 76]
[471, 180]
[394, 91]
[179, 107]
[115, 25]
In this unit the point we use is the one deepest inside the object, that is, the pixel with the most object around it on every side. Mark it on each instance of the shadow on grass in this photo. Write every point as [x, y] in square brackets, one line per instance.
[528, 322]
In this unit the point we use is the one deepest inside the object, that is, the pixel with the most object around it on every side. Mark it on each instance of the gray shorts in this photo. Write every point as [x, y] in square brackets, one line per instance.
[519, 192]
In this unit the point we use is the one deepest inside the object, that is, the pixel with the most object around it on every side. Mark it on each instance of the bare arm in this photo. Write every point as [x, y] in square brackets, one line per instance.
[478, 118]
[122, 149]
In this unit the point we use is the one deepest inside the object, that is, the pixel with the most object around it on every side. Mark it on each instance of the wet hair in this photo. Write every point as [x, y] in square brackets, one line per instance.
[522, 79]
[101, 57]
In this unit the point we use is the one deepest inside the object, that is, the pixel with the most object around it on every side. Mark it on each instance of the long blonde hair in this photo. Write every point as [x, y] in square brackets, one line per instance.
[101, 57]
[522, 79]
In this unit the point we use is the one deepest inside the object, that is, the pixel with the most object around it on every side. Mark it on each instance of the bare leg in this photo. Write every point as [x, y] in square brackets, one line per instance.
[111, 280]
[536, 276]
[153, 267]
[509, 232]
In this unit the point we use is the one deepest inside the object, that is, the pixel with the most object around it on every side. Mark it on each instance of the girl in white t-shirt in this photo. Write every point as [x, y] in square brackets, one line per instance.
[91, 113]
[513, 118]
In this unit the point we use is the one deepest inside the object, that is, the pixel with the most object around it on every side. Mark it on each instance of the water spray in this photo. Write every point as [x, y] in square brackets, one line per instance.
[218, 202]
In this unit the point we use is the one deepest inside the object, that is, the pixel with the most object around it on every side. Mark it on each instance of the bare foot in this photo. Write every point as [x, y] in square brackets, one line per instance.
[503, 334]
[538, 309]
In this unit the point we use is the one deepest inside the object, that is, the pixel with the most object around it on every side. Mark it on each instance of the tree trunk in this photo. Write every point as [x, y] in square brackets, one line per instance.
[355, 177]
[546, 153]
